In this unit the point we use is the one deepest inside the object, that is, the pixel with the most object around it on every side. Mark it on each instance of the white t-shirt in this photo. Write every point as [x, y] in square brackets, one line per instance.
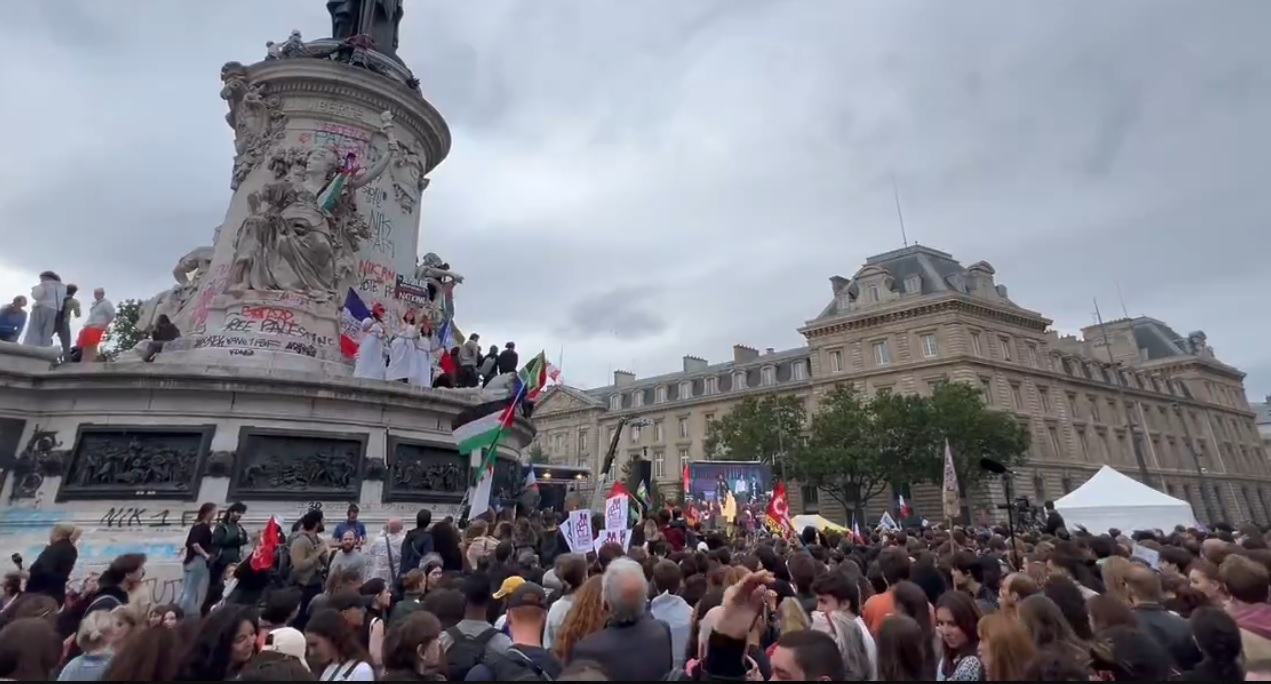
[348, 672]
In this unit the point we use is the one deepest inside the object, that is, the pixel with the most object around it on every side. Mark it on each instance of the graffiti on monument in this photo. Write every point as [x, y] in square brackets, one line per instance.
[424, 473]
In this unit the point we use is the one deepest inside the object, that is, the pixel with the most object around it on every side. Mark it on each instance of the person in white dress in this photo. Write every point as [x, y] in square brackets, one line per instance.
[423, 355]
[403, 355]
[370, 349]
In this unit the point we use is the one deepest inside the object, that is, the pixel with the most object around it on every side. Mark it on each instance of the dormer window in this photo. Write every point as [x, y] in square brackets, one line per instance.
[874, 295]
[615, 402]
[660, 395]
[913, 284]
[637, 398]
[739, 380]
[686, 389]
[711, 385]
[768, 376]
[797, 371]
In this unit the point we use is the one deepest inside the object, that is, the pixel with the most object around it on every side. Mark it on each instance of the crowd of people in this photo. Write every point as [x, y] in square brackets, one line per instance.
[53, 305]
[411, 352]
[505, 600]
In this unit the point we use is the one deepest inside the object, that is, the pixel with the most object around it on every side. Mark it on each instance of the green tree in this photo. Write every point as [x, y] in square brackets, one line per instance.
[538, 456]
[974, 431]
[759, 429]
[123, 333]
[841, 455]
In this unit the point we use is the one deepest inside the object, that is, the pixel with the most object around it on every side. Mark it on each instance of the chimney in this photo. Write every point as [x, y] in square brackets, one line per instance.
[623, 378]
[769, 350]
[742, 353]
[694, 364]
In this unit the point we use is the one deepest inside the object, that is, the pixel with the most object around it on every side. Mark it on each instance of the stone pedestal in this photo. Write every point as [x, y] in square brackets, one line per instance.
[127, 452]
[286, 113]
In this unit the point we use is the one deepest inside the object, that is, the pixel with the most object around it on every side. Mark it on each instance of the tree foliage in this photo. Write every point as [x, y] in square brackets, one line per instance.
[123, 333]
[538, 456]
[857, 447]
[759, 429]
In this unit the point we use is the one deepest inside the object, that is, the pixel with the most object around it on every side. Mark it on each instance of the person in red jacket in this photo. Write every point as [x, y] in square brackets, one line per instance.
[671, 525]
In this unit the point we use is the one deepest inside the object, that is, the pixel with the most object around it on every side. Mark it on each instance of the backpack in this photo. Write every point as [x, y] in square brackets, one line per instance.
[515, 666]
[466, 651]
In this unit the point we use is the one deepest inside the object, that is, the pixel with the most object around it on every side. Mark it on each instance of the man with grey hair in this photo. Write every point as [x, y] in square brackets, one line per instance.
[385, 551]
[634, 646]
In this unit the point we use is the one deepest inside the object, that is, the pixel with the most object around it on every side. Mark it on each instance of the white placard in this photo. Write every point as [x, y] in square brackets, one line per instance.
[578, 531]
[617, 508]
[619, 537]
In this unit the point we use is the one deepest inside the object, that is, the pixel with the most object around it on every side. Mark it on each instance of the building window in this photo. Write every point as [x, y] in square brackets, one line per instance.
[1039, 487]
[1094, 408]
[711, 385]
[976, 345]
[929, 345]
[637, 398]
[873, 293]
[684, 428]
[1052, 435]
[797, 371]
[661, 395]
[1006, 348]
[1031, 350]
[582, 440]
[615, 402]
[739, 380]
[1085, 446]
[1073, 411]
[1017, 396]
[657, 432]
[1043, 397]
[836, 361]
[986, 384]
[683, 457]
[659, 464]
[882, 353]
[1067, 484]
[710, 418]
[811, 498]
[913, 284]
[768, 375]
[686, 390]
[633, 434]
[883, 391]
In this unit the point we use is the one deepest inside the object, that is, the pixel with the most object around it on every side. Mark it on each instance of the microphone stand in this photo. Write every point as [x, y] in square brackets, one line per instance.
[1009, 488]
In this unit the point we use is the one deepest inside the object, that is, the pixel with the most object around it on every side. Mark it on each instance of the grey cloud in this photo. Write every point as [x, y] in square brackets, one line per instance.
[710, 158]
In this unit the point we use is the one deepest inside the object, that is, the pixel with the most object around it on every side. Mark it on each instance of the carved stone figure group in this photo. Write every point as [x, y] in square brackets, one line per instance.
[303, 229]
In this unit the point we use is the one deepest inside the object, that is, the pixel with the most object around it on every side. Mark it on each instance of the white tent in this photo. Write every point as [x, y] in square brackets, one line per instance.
[1110, 499]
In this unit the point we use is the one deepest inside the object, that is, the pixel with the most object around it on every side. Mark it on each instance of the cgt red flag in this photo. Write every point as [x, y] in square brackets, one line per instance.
[267, 550]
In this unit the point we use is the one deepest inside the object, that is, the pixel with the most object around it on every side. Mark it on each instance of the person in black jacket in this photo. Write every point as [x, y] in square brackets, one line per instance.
[417, 545]
[508, 360]
[52, 569]
[1054, 521]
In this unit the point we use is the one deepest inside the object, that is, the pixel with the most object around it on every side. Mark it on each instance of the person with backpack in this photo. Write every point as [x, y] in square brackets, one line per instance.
[473, 639]
[526, 660]
[416, 546]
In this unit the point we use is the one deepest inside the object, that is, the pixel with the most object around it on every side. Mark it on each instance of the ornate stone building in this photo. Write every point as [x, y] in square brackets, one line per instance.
[1133, 394]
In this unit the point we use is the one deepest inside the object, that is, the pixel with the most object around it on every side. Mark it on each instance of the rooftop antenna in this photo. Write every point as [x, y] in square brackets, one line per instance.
[895, 193]
[1124, 311]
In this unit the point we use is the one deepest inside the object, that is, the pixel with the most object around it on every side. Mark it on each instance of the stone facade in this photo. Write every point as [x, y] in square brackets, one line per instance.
[915, 317]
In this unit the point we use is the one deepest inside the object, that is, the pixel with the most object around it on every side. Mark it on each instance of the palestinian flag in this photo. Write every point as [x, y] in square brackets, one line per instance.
[330, 196]
[481, 426]
[532, 378]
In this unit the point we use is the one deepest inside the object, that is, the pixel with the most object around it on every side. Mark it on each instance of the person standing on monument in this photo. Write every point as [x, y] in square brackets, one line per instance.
[469, 357]
[101, 314]
[12, 319]
[46, 303]
[70, 307]
[403, 354]
[370, 349]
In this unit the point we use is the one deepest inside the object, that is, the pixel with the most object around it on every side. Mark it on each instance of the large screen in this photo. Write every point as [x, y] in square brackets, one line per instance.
[712, 480]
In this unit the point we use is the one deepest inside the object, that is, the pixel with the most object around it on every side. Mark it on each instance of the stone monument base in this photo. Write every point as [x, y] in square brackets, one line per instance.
[128, 452]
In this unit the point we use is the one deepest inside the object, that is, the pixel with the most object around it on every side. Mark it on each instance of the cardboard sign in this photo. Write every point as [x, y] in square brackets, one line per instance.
[578, 531]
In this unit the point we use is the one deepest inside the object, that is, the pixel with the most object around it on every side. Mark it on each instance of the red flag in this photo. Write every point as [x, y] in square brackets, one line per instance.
[267, 550]
[779, 508]
[688, 481]
[619, 489]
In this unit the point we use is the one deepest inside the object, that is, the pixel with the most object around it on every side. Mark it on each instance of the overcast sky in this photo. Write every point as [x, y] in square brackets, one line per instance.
[636, 181]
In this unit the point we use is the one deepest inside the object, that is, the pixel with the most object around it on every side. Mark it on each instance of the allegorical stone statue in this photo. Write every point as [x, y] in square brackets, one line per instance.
[377, 19]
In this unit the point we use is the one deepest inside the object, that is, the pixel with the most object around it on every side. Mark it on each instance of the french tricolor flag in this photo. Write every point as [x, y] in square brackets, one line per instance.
[351, 317]
[903, 507]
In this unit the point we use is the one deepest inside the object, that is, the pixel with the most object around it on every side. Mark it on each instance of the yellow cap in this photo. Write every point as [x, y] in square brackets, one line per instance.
[509, 585]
